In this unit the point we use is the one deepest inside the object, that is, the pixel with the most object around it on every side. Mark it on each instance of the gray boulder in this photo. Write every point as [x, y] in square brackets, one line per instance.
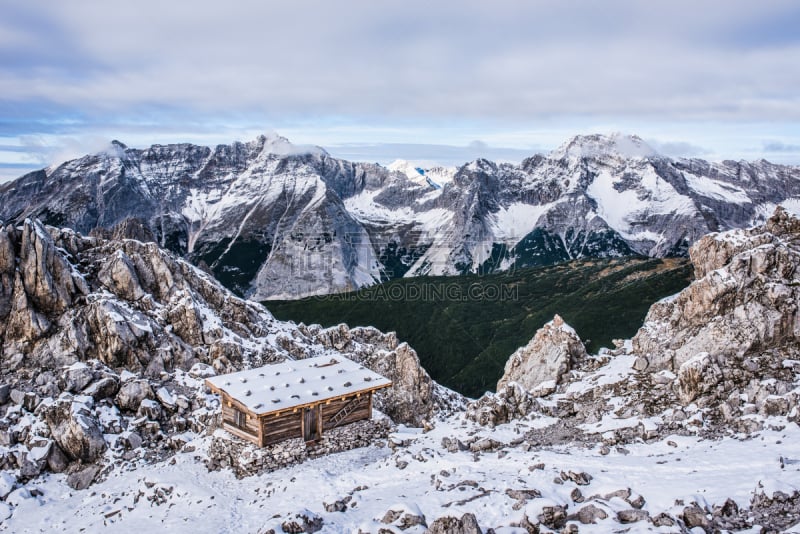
[76, 377]
[75, 430]
[467, 524]
[80, 480]
[132, 393]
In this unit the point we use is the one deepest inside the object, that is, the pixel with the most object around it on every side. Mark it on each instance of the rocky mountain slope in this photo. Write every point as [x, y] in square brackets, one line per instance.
[104, 345]
[668, 432]
[272, 220]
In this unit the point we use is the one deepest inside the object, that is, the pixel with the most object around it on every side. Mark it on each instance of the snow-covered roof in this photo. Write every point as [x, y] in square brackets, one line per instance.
[293, 383]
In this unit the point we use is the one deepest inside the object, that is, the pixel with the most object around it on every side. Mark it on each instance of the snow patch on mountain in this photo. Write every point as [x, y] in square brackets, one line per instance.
[434, 177]
[627, 210]
[716, 189]
[513, 222]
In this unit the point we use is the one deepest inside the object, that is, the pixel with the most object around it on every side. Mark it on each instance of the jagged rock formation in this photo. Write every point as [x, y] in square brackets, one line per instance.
[126, 303]
[133, 306]
[540, 365]
[272, 220]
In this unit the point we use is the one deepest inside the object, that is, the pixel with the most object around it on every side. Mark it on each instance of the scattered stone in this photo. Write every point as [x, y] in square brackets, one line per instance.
[132, 393]
[554, 517]
[57, 461]
[302, 521]
[694, 516]
[76, 377]
[581, 479]
[80, 480]
[404, 517]
[104, 388]
[75, 430]
[166, 398]
[663, 520]
[590, 514]
[149, 409]
[202, 370]
[339, 505]
[632, 516]
[467, 524]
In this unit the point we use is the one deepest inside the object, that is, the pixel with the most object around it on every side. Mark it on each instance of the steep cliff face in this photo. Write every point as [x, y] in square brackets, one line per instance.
[126, 303]
[272, 220]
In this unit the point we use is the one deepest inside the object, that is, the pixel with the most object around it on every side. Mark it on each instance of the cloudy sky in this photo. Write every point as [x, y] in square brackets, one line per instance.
[424, 80]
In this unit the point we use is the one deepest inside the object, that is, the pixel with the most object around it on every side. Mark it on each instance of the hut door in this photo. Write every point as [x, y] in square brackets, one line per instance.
[311, 424]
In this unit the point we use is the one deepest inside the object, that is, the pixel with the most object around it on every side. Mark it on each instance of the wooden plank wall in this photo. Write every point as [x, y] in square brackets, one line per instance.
[285, 426]
[249, 432]
[329, 410]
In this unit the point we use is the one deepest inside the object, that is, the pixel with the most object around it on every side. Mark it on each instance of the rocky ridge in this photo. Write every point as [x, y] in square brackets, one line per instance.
[272, 221]
[105, 345]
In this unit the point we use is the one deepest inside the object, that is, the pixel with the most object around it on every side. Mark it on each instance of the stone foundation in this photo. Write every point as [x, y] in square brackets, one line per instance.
[247, 459]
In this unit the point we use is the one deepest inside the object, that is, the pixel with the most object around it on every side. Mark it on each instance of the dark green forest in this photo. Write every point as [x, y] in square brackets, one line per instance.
[465, 327]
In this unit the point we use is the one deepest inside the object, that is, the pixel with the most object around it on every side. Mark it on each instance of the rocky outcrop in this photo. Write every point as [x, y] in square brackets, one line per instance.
[532, 371]
[126, 303]
[75, 430]
[719, 357]
[541, 364]
[509, 403]
[744, 302]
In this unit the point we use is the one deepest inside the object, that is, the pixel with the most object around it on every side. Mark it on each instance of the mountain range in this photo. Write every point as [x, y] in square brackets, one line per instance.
[272, 220]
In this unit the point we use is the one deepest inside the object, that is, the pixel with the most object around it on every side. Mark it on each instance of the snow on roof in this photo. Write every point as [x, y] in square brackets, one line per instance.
[294, 383]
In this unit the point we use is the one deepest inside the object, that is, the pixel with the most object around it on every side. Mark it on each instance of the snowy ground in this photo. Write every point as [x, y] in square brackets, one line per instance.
[180, 495]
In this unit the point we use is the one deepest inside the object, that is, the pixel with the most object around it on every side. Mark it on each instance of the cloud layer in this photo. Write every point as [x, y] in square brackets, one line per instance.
[92, 67]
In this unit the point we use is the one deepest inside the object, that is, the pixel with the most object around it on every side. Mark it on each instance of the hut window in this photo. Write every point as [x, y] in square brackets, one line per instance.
[239, 418]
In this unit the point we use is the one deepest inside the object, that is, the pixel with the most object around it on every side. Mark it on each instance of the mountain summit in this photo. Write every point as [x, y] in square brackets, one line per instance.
[616, 144]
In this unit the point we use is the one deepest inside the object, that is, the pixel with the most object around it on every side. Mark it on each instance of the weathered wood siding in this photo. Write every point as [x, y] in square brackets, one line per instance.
[329, 410]
[251, 429]
[284, 426]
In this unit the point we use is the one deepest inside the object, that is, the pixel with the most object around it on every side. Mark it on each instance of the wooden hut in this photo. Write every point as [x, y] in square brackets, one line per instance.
[296, 398]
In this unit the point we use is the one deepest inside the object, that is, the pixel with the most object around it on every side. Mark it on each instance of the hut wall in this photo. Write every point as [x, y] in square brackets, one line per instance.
[360, 413]
[251, 429]
[284, 426]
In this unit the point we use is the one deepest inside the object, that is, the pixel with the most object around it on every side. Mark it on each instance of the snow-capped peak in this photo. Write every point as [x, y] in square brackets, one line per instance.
[411, 171]
[434, 177]
[615, 144]
[273, 143]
